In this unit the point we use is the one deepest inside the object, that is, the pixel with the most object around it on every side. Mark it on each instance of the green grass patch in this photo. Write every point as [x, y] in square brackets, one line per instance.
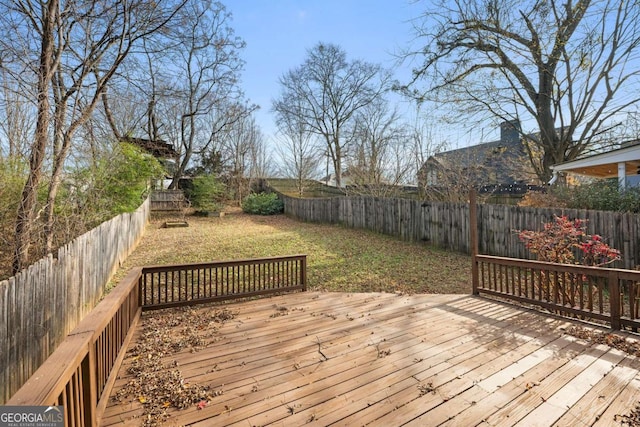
[339, 259]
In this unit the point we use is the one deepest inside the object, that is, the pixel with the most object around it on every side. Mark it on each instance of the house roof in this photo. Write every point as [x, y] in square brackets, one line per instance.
[604, 165]
[504, 158]
[157, 148]
[480, 153]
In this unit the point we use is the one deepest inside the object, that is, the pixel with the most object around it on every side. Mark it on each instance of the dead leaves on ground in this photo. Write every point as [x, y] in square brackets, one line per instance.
[616, 341]
[426, 389]
[630, 420]
[159, 385]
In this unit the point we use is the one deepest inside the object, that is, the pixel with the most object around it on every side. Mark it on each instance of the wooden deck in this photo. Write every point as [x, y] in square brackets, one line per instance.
[391, 360]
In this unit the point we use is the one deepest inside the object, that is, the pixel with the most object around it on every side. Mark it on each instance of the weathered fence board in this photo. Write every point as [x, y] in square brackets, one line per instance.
[168, 200]
[43, 303]
[446, 225]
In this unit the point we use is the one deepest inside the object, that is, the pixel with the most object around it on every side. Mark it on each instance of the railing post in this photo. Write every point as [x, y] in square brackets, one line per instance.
[303, 273]
[614, 300]
[89, 387]
[473, 239]
[141, 295]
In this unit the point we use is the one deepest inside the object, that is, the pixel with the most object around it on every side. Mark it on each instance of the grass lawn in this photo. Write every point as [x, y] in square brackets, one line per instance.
[339, 259]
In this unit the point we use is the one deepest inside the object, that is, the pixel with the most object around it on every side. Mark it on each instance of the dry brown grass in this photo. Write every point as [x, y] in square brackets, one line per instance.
[339, 259]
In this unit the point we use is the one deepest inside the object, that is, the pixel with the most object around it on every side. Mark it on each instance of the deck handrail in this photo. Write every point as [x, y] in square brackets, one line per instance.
[186, 284]
[80, 373]
[607, 295]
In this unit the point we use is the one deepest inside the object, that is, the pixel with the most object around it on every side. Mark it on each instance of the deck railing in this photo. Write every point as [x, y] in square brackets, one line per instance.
[597, 294]
[175, 285]
[80, 373]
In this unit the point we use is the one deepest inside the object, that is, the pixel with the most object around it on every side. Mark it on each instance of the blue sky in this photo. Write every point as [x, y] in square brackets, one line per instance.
[278, 34]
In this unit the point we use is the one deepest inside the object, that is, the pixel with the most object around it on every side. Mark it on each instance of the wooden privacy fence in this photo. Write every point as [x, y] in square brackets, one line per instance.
[446, 225]
[168, 200]
[79, 375]
[43, 303]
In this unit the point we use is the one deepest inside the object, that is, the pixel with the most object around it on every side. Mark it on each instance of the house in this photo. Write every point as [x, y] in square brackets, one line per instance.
[157, 148]
[491, 166]
[161, 150]
[623, 163]
[330, 180]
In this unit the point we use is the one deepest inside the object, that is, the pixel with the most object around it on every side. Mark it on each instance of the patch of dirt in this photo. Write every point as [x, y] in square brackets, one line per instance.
[157, 383]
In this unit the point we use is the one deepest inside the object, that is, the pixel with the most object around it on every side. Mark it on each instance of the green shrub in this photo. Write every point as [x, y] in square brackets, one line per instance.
[207, 193]
[263, 204]
[116, 182]
[127, 183]
[602, 195]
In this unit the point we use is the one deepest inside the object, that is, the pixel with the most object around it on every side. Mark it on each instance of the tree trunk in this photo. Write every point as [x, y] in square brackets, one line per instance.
[549, 140]
[109, 115]
[187, 138]
[337, 161]
[26, 210]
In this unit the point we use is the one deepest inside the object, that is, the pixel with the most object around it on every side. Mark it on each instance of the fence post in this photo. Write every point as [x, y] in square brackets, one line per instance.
[614, 300]
[473, 239]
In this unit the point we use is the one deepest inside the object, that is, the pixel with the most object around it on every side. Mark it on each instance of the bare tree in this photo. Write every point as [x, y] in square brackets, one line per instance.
[326, 91]
[144, 91]
[206, 55]
[379, 160]
[566, 65]
[44, 19]
[93, 50]
[298, 151]
[191, 104]
[243, 155]
[17, 124]
[424, 144]
[78, 46]
[627, 131]
[262, 162]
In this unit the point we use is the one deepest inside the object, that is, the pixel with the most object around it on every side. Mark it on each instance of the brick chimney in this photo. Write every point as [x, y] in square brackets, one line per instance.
[510, 131]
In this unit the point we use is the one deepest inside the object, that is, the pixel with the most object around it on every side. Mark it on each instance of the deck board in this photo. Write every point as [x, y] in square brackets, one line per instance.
[390, 359]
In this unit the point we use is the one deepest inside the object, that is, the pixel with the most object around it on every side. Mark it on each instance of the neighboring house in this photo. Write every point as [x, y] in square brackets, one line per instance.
[330, 180]
[623, 163]
[159, 149]
[162, 151]
[492, 165]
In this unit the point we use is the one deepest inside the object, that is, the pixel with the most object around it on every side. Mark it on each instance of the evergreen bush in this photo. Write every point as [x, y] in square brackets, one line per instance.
[206, 193]
[263, 204]
[602, 195]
